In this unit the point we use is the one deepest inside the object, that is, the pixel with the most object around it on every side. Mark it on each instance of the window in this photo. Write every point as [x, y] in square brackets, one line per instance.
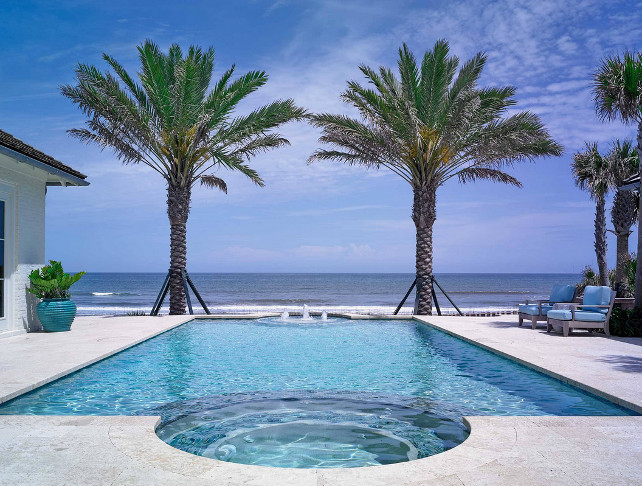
[2, 289]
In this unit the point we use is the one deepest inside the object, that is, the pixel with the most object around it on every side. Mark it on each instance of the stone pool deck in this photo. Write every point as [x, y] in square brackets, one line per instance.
[500, 450]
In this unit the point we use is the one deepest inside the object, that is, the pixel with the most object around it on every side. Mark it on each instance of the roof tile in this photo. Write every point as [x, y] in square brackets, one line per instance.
[11, 142]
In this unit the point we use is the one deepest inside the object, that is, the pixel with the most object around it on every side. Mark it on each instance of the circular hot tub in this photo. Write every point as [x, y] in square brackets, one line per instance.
[301, 429]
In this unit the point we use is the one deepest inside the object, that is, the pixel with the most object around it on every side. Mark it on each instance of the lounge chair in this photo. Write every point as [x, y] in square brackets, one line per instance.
[593, 313]
[536, 310]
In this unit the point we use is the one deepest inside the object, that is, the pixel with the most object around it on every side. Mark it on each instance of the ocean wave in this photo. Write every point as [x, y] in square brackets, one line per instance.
[492, 292]
[104, 294]
[262, 302]
[258, 309]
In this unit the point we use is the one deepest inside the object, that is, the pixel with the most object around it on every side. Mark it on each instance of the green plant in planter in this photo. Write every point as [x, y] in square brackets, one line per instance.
[51, 284]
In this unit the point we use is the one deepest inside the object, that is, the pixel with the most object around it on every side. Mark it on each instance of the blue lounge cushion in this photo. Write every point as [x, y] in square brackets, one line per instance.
[596, 296]
[565, 315]
[533, 309]
[562, 293]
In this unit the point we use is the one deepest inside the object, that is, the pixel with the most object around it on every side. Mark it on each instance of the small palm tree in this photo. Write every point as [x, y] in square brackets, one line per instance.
[617, 88]
[593, 173]
[180, 125]
[427, 126]
[624, 163]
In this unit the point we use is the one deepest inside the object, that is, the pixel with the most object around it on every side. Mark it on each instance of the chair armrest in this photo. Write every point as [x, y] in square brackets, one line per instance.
[569, 304]
[539, 303]
[592, 305]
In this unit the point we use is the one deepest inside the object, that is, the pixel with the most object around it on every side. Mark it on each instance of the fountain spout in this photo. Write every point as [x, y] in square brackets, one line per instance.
[285, 316]
[306, 312]
[324, 316]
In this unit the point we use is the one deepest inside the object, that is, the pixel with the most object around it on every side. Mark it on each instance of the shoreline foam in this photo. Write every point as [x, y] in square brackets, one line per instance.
[257, 309]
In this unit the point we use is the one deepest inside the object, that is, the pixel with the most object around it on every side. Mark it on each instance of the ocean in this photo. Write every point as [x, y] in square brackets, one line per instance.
[371, 293]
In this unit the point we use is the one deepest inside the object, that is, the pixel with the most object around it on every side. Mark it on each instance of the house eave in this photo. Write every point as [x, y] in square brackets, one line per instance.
[59, 177]
[633, 186]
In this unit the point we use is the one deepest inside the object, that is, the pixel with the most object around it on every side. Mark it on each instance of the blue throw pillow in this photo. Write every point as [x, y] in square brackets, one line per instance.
[562, 293]
[596, 296]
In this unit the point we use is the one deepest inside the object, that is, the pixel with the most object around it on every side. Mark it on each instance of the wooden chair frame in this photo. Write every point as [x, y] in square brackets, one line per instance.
[534, 319]
[568, 326]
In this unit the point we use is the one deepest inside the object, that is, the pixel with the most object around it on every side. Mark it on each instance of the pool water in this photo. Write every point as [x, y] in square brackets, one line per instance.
[311, 395]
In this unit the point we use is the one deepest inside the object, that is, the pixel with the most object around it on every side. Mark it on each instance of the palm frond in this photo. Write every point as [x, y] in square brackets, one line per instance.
[260, 121]
[409, 76]
[437, 72]
[170, 121]
[372, 145]
[516, 138]
[236, 162]
[134, 88]
[157, 81]
[223, 103]
[471, 174]
[214, 182]
[261, 144]
[617, 88]
[591, 171]
[428, 124]
[623, 161]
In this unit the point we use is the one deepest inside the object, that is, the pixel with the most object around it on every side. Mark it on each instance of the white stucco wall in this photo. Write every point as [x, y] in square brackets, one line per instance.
[27, 245]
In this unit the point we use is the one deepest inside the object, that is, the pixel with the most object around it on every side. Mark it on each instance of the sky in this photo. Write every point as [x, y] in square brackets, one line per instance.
[324, 217]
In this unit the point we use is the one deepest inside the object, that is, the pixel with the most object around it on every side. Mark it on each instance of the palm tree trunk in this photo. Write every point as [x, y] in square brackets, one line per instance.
[178, 200]
[623, 214]
[600, 239]
[638, 271]
[622, 257]
[424, 215]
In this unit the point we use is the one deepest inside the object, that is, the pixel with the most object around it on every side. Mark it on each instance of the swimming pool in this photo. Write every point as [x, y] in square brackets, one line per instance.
[337, 394]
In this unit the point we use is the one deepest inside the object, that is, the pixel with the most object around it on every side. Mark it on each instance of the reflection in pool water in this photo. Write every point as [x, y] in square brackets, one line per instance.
[313, 445]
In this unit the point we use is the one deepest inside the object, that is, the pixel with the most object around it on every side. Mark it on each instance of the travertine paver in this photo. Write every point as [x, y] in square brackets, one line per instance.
[500, 450]
[607, 366]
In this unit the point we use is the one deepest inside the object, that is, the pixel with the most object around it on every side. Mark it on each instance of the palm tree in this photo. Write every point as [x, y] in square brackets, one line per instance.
[617, 88]
[427, 126]
[624, 163]
[593, 173]
[176, 124]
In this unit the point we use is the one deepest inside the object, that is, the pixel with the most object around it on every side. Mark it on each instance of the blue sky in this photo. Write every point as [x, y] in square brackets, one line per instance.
[325, 217]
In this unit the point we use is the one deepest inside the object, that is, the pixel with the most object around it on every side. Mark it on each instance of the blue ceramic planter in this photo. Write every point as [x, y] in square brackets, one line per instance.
[56, 315]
